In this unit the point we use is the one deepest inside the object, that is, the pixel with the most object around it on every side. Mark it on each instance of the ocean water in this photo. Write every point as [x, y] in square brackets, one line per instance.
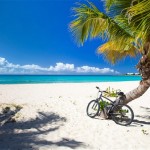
[32, 79]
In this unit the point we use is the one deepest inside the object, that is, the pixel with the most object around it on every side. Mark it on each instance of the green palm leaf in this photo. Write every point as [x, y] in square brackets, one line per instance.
[125, 28]
[91, 22]
[113, 53]
[139, 17]
[115, 7]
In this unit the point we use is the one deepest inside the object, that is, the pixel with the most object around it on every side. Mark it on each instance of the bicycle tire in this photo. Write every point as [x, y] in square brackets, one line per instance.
[122, 114]
[95, 108]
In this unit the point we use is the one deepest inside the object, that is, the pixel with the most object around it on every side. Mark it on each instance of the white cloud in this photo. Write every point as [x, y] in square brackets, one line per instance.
[87, 69]
[32, 67]
[3, 61]
[60, 68]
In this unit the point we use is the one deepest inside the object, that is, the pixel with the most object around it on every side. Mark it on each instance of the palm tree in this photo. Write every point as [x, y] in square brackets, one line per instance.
[125, 29]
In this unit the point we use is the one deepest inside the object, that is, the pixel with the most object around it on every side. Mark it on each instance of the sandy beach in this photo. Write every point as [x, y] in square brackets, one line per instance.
[53, 117]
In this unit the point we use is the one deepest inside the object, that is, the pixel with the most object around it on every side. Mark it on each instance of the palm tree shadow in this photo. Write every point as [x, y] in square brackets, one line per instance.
[140, 122]
[147, 109]
[143, 119]
[28, 134]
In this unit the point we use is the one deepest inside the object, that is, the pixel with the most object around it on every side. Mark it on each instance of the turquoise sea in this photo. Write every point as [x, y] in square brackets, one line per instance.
[26, 79]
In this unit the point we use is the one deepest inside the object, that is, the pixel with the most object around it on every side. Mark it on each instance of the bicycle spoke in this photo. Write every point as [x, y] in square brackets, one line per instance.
[122, 114]
[93, 108]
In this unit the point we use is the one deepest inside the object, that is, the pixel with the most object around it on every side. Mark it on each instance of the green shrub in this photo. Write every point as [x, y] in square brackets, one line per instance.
[111, 92]
[103, 104]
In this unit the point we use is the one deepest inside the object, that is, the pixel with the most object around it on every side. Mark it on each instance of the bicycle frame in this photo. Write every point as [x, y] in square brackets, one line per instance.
[120, 113]
[101, 98]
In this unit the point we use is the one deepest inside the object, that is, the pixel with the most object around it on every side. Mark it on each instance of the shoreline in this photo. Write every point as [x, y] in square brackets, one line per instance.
[67, 82]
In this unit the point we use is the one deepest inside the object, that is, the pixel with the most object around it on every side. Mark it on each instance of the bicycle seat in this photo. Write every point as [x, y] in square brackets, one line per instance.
[120, 93]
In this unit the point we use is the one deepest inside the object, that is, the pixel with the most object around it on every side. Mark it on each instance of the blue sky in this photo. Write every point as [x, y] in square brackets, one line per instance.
[34, 37]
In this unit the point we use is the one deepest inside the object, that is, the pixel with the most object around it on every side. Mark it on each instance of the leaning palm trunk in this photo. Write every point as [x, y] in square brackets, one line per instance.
[139, 91]
[144, 69]
[134, 94]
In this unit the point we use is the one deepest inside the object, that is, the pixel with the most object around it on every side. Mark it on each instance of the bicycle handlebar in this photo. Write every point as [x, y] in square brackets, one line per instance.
[97, 87]
[100, 90]
[118, 92]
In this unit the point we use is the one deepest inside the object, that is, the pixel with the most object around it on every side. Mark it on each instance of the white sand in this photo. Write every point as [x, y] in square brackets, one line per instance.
[54, 117]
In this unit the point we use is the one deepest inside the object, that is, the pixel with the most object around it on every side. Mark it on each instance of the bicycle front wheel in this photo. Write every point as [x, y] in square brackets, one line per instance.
[93, 108]
[122, 114]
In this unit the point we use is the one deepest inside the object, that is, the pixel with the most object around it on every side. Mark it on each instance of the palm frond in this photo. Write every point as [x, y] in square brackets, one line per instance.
[139, 18]
[116, 7]
[122, 21]
[113, 53]
[125, 28]
[140, 8]
[108, 4]
[91, 22]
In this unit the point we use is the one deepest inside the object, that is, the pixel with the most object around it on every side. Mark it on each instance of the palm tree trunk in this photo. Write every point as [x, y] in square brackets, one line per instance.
[137, 92]
[134, 94]
[144, 69]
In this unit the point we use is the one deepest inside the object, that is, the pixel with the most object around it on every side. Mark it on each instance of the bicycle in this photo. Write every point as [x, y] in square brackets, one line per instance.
[121, 114]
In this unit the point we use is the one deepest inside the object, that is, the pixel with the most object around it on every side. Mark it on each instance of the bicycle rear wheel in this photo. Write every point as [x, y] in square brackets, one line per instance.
[93, 108]
[122, 114]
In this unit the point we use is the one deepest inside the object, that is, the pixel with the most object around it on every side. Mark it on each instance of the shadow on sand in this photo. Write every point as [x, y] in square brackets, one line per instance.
[29, 134]
[143, 119]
